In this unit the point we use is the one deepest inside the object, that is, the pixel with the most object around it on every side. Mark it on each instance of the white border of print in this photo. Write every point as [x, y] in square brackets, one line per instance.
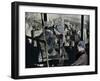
[54, 70]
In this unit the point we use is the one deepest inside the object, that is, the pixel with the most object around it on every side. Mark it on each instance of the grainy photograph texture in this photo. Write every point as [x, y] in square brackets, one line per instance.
[55, 40]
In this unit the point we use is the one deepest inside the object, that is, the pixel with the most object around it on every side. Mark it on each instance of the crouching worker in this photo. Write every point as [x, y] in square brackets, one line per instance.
[81, 57]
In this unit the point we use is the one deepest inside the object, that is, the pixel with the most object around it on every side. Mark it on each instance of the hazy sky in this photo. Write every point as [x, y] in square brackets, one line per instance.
[70, 17]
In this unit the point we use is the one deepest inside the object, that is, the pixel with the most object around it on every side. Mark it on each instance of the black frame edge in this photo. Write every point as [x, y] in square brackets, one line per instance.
[96, 41]
[56, 75]
[14, 41]
[54, 5]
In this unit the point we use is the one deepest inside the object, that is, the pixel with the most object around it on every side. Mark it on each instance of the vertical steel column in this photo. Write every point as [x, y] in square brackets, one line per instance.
[82, 25]
[44, 20]
[45, 17]
[32, 35]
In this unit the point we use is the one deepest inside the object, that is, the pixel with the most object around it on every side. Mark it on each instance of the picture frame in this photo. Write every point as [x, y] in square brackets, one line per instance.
[33, 21]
